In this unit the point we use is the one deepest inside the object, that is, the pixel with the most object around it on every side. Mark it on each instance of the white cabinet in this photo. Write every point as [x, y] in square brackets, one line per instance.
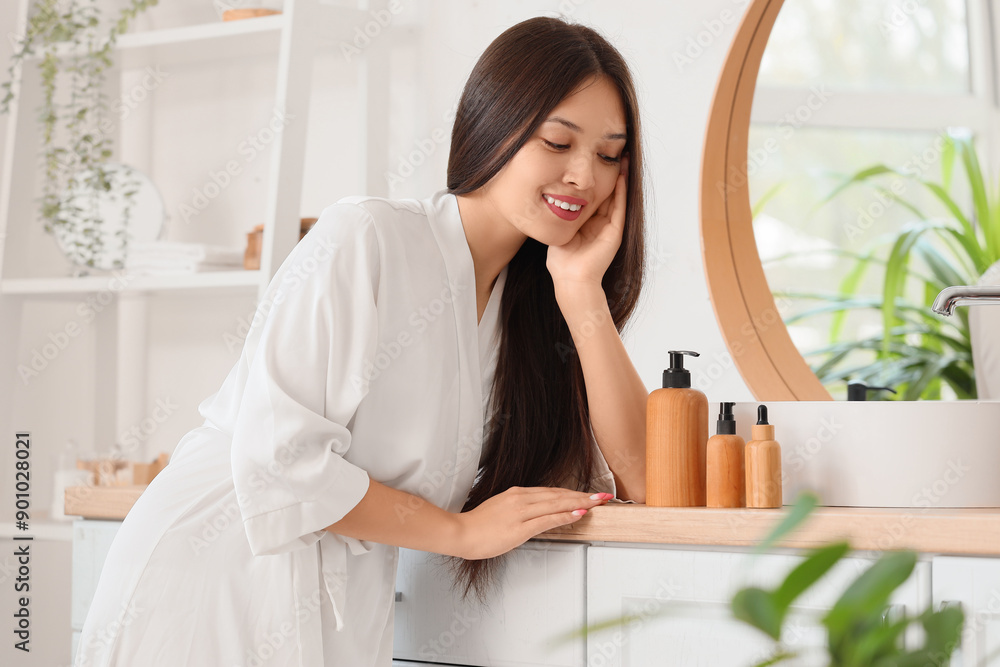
[91, 543]
[680, 601]
[542, 597]
[975, 584]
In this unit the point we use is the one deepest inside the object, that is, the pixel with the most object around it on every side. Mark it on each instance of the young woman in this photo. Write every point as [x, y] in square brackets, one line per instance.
[443, 374]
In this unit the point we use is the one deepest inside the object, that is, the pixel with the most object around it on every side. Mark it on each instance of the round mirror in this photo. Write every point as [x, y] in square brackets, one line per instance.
[841, 167]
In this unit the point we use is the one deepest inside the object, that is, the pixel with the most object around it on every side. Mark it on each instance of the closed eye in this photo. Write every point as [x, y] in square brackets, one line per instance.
[561, 147]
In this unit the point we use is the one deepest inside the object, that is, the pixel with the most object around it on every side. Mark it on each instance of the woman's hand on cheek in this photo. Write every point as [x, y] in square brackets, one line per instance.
[587, 256]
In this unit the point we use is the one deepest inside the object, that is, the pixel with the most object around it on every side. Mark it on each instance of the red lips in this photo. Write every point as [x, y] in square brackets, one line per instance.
[567, 199]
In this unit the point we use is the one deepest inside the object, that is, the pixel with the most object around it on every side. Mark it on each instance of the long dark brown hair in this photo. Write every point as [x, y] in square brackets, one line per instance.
[539, 434]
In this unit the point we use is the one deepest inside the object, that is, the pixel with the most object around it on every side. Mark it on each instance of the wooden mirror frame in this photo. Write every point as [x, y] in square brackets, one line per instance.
[748, 317]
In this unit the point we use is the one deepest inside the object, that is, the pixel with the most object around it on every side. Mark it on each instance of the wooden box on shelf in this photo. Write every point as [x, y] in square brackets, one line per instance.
[118, 472]
[240, 14]
[251, 258]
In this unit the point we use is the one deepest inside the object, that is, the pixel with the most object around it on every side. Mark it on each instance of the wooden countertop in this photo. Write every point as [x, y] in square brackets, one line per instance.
[927, 530]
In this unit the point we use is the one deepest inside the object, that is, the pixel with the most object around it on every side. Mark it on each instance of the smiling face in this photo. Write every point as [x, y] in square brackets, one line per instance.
[572, 160]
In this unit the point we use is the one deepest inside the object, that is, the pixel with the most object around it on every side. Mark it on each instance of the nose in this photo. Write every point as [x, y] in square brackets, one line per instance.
[580, 172]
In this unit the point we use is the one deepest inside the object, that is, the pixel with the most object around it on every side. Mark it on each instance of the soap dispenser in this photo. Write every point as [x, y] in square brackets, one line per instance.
[763, 464]
[676, 438]
[858, 391]
[725, 485]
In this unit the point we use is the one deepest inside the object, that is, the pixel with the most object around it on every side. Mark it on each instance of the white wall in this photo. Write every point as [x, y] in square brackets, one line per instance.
[194, 120]
[199, 115]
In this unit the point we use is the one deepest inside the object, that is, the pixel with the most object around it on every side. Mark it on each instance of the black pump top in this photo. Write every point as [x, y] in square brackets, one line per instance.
[678, 377]
[727, 423]
[858, 391]
[762, 415]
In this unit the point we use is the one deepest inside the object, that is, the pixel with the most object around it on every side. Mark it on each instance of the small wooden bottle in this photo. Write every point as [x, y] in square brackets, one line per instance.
[725, 485]
[763, 464]
[676, 437]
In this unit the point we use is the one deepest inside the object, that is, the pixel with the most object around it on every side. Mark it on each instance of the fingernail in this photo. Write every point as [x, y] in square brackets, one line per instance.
[579, 512]
[601, 496]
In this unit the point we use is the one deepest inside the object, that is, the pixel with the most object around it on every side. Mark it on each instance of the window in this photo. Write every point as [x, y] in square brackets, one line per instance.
[845, 85]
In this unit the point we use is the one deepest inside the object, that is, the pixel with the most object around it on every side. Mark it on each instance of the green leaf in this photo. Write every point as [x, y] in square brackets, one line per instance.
[943, 630]
[880, 641]
[807, 573]
[869, 593]
[856, 178]
[756, 607]
[780, 656]
[800, 510]
[947, 161]
[978, 187]
[765, 198]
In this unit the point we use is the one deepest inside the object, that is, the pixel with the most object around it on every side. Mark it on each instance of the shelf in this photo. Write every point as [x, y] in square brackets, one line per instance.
[201, 43]
[209, 42]
[58, 287]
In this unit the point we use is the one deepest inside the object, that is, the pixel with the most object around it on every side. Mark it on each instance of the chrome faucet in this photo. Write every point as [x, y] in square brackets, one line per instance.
[959, 295]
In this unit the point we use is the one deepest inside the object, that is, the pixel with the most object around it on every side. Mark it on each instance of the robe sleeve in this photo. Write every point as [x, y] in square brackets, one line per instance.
[309, 359]
[604, 479]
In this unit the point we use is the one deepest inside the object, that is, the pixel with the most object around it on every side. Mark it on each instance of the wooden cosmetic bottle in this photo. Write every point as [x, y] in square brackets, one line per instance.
[763, 464]
[725, 485]
[676, 436]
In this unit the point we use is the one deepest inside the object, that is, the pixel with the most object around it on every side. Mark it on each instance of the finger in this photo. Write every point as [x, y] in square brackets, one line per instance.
[621, 194]
[552, 493]
[534, 509]
[550, 521]
[602, 210]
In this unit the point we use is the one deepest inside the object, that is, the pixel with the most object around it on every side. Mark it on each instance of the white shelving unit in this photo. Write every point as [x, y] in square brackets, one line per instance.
[29, 267]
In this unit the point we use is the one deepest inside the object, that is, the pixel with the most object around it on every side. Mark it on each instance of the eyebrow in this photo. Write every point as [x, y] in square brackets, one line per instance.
[576, 128]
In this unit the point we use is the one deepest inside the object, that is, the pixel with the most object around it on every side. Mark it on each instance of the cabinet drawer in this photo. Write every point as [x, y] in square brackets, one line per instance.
[975, 584]
[91, 544]
[681, 601]
[541, 597]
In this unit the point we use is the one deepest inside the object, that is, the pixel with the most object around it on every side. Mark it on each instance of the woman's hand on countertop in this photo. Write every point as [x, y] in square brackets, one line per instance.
[509, 519]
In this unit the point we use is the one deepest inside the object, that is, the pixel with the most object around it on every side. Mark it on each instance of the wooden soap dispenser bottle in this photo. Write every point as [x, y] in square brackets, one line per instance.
[676, 436]
[763, 464]
[726, 482]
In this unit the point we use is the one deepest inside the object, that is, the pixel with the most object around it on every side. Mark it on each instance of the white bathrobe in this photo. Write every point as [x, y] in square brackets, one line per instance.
[364, 361]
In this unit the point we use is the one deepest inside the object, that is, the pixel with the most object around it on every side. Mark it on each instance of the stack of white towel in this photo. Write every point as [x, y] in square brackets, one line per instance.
[171, 257]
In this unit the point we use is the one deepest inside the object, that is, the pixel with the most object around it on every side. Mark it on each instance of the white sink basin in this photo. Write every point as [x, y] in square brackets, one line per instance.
[884, 453]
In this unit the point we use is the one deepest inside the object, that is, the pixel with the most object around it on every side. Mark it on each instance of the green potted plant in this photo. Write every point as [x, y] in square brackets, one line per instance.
[917, 352]
[68, 41]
